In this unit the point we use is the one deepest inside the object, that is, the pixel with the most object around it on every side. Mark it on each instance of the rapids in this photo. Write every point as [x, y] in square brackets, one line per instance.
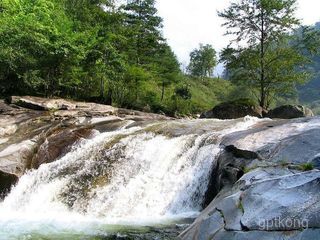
[137, 176]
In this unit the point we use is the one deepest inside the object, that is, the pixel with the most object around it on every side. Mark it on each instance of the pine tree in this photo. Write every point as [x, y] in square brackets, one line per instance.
[143, 30]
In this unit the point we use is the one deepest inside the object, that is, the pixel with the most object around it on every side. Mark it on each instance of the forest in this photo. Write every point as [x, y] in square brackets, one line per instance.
[115, 53]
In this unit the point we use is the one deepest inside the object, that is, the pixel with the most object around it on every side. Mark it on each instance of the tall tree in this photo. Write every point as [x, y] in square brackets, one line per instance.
[149, 56]
[263, 26]
[202, 61]
[142, 30]
[167, 67]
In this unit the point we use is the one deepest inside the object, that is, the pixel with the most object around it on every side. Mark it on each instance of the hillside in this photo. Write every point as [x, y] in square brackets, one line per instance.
[309, 93]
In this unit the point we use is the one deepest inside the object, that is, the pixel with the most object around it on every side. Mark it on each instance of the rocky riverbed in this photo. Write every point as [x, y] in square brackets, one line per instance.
[253, 178]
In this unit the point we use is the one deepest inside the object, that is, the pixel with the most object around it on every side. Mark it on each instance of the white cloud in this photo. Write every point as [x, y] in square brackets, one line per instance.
[190, 22]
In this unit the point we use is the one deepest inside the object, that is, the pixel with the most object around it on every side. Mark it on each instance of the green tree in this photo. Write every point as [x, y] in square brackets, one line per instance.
[167, 68]
[87, 49]
[36, 43]
[202, 61]
[149, 56]
[98, 26]
[267, 62]
[142, 30]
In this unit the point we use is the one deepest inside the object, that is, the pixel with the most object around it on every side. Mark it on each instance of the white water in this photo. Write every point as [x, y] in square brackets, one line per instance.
[127, 177]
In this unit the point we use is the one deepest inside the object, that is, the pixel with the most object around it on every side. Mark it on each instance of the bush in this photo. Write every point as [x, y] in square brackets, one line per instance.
[306, 167]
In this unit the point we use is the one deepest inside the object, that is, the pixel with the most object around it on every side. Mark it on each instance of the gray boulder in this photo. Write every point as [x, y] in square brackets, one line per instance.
[290, 202]
[234, 109]
[289, 112]
[277, 197]
[262, 206]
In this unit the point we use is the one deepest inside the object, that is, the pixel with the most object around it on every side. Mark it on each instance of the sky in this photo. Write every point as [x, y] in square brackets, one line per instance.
[190, 22]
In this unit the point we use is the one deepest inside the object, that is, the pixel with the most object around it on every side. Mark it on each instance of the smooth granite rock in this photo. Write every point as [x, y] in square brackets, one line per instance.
[277, 197]
[289, 202]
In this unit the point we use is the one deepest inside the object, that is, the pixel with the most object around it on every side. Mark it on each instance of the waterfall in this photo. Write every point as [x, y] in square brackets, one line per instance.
[137, 175]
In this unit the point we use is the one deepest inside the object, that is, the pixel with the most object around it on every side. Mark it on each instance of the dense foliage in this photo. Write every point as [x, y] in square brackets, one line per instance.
[113, 52]
[271, 61]
[85, 49]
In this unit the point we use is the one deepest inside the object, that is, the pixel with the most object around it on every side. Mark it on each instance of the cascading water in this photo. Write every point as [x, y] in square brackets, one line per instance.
[132, 176]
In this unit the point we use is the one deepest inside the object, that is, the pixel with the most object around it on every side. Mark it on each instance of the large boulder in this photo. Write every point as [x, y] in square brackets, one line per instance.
[275, 196]
[289, 112]
[295, 142]
[15, 158]
[234, 109]
[290, 202]
[265, 204]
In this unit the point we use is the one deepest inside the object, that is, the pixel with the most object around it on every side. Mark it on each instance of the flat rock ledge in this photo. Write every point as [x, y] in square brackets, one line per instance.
[69, 108]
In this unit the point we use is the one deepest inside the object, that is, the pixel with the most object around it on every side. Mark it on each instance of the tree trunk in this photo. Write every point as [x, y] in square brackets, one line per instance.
[136, 86]
[263, 99]
[162, 91]
[101, 88]
[109, 96]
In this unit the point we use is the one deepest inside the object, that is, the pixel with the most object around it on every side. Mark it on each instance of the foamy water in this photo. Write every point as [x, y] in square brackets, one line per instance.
[125, 177]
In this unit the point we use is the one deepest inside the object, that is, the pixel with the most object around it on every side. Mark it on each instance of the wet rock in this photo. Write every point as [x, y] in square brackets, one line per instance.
[274, 199]
[261, 173]
[298, 150]
[207, 228]
[231, 210]
[235, 109]
[58, 144]
[37, 130]
[8, 130]
[287, 142]
[289, 112]
[7, 180]
[224, 174]
[5, 108]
